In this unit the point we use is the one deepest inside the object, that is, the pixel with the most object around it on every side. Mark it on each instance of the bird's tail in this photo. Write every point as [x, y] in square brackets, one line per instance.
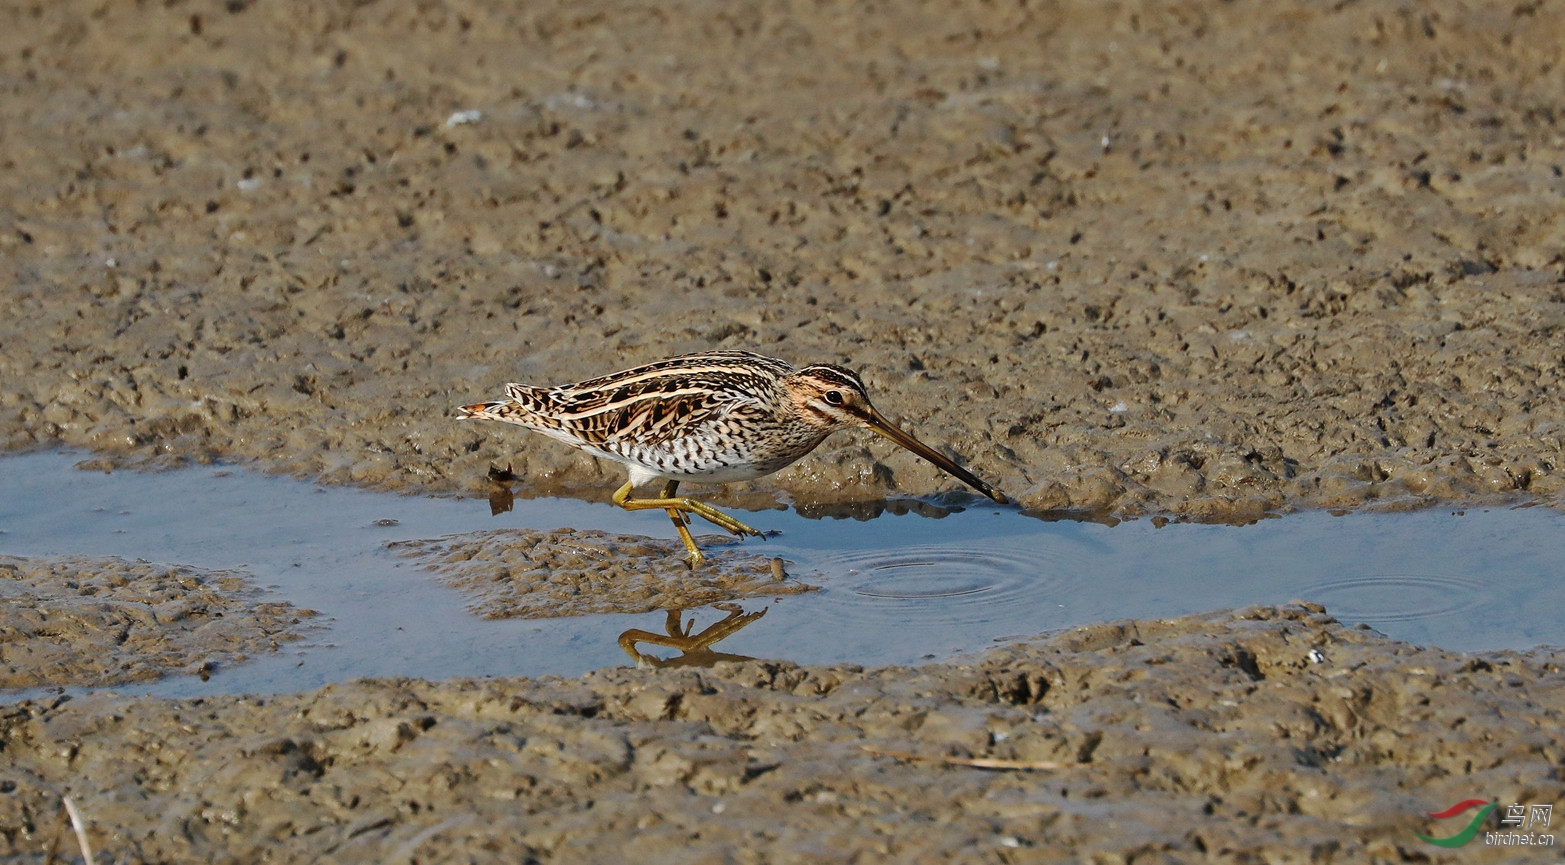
[524, 407]
[482, 410]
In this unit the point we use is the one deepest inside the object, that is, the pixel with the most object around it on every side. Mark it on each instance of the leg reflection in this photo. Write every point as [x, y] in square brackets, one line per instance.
[695, 649]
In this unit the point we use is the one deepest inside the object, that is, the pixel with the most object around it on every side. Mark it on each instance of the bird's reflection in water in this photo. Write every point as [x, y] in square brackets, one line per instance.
[501, 501]
[695, 649]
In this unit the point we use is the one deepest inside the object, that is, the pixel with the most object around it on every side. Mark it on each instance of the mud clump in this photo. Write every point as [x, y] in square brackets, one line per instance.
[91, 622]
[1269, 734]
[523, 574]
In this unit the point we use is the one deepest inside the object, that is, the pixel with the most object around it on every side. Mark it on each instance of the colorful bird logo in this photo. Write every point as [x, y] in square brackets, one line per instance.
[1467, 834]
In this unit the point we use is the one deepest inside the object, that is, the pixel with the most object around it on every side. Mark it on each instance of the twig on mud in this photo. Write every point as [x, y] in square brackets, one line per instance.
[974, 762]
[81, 830]
[54, 840]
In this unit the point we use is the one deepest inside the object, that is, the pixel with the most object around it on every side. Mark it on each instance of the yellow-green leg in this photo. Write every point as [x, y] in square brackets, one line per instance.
[681, 523]
[678, 510]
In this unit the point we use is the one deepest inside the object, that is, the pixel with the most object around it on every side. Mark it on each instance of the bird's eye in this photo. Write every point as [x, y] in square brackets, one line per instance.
[833, 397]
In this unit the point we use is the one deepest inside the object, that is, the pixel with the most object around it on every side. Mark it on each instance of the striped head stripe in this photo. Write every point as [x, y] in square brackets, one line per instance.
[837, 375]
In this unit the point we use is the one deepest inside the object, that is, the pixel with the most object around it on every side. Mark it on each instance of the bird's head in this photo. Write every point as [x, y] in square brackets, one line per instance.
[830, 398]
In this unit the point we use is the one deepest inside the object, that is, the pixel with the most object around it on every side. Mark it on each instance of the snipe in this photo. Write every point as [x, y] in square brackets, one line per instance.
[716, 417]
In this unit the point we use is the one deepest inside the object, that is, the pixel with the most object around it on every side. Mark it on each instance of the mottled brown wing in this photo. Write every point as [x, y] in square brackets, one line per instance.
[659, 421]
[665, 401]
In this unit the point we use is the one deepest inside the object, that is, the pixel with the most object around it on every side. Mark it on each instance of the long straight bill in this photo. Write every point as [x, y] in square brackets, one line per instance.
[879, 424]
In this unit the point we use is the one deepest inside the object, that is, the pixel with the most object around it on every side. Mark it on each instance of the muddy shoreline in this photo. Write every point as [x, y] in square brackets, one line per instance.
[1204, 261]
[1263, 734]
[1128, 259]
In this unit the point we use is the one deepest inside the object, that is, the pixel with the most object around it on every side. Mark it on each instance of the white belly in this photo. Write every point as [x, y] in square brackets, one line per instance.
[681, 462]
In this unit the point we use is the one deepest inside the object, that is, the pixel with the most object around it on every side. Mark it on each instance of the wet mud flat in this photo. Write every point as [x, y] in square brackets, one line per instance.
[1203, 260]
[1269, 734]
[529, 574]
[693, 734]
[78, 620]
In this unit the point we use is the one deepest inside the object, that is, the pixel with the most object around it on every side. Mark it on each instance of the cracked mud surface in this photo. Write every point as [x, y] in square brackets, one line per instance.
[1191, 259]
[522, 574]
[74, 620]
[1212, 736]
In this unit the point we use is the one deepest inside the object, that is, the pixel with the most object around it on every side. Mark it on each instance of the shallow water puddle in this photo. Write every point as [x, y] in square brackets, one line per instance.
[895, 589]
